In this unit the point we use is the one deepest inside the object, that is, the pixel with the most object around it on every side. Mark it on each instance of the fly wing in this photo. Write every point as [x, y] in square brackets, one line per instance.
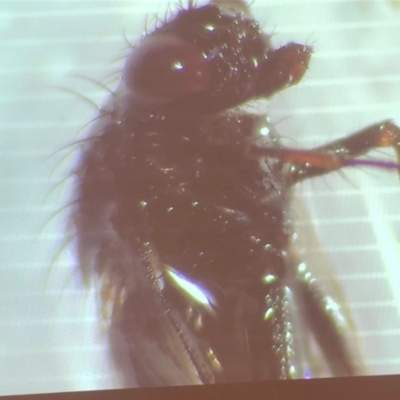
[162, 350]
[321, 271]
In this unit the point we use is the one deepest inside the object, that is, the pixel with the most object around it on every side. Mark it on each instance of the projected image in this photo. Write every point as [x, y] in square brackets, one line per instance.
[227, 213]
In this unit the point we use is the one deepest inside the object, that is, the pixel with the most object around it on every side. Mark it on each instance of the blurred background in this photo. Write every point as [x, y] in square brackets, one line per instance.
[50, 335]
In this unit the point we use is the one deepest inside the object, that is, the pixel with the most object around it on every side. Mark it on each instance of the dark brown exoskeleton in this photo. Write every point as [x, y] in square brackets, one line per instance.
[182, 208]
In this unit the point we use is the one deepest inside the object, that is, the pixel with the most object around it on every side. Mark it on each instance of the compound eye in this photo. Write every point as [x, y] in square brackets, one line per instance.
[165, 67]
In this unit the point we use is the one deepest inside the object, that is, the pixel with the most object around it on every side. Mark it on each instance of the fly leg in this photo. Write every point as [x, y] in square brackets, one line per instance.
[327, 323]
[338, 154]
[279, 356]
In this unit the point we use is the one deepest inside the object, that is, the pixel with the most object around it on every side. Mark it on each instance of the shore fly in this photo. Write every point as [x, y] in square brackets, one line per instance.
[183, 208]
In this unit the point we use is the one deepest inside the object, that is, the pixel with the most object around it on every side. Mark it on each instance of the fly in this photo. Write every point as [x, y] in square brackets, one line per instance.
[183, 194]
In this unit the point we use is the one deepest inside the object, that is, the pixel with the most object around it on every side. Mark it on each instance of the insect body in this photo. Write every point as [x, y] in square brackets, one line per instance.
[182, 209]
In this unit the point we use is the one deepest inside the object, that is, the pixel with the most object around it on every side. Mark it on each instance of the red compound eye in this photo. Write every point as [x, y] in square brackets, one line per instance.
[166, 67]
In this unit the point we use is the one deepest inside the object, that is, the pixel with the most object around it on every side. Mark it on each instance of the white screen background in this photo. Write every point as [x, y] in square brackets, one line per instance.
[50, 338]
